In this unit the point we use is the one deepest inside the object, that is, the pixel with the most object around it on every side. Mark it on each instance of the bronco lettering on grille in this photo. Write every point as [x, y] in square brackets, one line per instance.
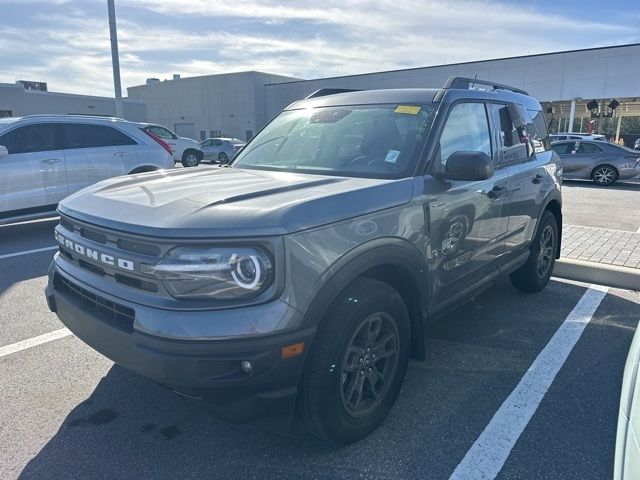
[94, 254]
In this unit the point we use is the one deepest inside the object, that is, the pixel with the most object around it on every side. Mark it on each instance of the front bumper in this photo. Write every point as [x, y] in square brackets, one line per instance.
[204, 369]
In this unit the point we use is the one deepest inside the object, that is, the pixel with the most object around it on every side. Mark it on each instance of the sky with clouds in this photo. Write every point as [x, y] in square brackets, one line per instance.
[66, 42]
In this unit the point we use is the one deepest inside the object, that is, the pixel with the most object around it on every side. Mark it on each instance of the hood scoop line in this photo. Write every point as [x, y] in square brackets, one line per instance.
[271, 191]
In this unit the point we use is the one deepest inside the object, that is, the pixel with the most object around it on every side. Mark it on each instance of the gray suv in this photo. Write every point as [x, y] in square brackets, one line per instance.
[300, 277]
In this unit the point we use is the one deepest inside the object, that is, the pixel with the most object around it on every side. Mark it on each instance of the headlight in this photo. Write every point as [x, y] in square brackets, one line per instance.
[210, 272]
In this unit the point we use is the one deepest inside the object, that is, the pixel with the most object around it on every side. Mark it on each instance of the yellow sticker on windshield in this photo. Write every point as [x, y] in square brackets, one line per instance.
[408, 109]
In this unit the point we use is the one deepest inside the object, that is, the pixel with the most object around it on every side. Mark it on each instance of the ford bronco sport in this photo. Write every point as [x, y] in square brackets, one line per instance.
[299, 279]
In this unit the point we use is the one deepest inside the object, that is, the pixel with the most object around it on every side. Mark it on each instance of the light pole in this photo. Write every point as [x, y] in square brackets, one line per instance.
[115, 58]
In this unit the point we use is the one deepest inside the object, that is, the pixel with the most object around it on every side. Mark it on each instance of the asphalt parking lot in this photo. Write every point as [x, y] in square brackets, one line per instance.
[614, 207]
[68, 412]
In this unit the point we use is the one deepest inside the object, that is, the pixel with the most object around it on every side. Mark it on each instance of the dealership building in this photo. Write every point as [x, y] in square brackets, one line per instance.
[239, 104]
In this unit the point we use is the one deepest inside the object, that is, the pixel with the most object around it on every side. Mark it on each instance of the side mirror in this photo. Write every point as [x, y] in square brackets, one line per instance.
[3, 151]
[470, 166]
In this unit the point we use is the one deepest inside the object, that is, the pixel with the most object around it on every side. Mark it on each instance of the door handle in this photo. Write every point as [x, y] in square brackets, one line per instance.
[536, 179]
[50, 161]
[120, 154]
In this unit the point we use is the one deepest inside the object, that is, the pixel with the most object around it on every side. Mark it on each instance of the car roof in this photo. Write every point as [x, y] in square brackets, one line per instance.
[69, 118]
[8, 120]
[412, 96]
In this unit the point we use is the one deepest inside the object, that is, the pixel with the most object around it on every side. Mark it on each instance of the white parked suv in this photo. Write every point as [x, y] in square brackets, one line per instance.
[44, 158]
[185, 150]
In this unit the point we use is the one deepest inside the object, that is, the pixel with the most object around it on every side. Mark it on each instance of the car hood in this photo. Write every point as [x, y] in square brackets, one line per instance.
[229, 202]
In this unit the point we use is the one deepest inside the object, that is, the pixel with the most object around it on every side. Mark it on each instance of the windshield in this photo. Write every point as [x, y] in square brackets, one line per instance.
[376, 141]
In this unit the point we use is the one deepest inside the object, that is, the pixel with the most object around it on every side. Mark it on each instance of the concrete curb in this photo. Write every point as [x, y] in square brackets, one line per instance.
[602, 274]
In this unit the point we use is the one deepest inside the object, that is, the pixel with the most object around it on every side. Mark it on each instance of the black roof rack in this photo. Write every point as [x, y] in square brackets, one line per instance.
[329, 91]
[466, 83]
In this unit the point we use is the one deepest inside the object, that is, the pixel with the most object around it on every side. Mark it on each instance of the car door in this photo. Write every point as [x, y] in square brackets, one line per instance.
[570, 162]
[32, 175]
[584, 157]
[524, 152]
[465, 218]
[95, 152]
[207, 150]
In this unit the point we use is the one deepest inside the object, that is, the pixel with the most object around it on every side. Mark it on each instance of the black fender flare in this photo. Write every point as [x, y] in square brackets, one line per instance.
[552, 202]
[388, 251]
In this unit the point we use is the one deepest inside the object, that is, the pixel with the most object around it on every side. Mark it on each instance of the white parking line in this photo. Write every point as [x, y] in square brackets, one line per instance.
[27, 252]
[486, 457]
[32, 342]
[27, 222]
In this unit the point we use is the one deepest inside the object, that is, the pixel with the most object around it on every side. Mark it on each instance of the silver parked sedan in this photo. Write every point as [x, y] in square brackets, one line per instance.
[602, 162]
[220, 149]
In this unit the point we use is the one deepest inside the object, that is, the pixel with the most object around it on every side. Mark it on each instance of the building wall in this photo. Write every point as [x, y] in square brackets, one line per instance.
[21, 102]
[601, 73]
[231, 104]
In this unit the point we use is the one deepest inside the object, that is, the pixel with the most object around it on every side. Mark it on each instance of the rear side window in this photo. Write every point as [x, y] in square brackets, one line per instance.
[467, 129]
[80, 135]
[161, 132]
[537, 131]
[39, 137]
[588, 148]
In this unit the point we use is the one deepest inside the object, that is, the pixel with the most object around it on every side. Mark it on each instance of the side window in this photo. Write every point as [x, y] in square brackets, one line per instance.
[588, 148]
[537, 131]
[80, 135]
[161, 132]
[217, 142]
[508, 134]
[206, 143]
[39, 137]
[467, 129]
[563, 148]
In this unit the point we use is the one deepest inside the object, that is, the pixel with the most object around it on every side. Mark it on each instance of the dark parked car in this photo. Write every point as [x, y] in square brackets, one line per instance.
[301, 276]
[602, 162]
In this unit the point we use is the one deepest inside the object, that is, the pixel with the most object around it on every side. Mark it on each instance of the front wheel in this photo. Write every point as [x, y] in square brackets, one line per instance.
[358, 363]
[534, 275]
[223, 159]
[604, 175]
[190, 158]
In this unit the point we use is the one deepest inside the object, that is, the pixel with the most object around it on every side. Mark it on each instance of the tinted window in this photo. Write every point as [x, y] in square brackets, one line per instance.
[467, 129]
[588, 148]
[537, 131]
[507, 132]
[562, 148]
[80, 135]
[39, 137]
[161, 131]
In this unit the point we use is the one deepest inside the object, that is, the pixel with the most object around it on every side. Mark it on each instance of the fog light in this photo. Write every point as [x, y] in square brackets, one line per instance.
[245, 366]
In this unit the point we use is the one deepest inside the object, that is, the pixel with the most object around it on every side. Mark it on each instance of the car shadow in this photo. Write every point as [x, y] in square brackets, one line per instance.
[619, 185]
[131, 428]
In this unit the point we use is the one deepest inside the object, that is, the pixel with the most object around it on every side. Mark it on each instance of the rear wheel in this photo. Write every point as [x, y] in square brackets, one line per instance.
[534, 275]
[604, 175]
[358, 363]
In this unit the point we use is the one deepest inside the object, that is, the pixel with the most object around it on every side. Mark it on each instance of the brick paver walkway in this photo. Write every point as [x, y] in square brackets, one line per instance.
[600, 245]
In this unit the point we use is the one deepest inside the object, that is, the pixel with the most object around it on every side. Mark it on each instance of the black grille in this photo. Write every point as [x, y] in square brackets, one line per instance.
[107, 310]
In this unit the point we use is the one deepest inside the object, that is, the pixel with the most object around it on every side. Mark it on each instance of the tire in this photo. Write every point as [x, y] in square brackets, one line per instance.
[534, 275]
[222, 158]
[337, 400]
[190, 158]
[604, 175]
